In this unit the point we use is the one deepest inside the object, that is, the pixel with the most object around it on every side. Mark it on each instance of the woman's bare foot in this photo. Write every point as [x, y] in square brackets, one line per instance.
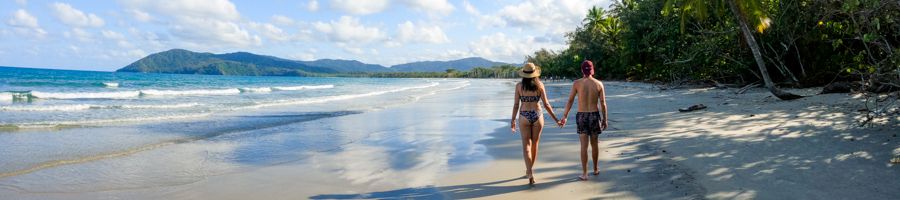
[596, 173]
[583, 177]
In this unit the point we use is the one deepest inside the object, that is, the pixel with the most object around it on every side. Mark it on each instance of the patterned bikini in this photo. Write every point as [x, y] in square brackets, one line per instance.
[531, 115]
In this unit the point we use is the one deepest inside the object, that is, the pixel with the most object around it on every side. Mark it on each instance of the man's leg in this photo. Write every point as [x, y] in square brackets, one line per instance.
[584, 145]
[595, 151]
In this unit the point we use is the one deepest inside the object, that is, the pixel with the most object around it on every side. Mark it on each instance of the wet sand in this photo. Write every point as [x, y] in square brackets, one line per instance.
[456, 144]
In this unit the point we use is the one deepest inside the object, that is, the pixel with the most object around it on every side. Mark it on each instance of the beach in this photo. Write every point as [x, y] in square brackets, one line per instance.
[452, 141]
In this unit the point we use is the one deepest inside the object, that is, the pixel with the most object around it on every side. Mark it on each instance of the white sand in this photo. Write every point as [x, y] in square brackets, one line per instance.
[748, 146]
[457, 144]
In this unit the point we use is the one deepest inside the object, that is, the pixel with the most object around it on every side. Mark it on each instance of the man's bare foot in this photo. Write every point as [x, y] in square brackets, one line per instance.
[596, 173]
[583, 177]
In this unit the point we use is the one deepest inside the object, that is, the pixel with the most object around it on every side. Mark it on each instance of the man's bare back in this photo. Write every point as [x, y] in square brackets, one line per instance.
[589, 91]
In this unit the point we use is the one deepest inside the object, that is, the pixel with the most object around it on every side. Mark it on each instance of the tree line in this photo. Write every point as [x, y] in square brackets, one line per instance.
[780, 43]
[499, 71]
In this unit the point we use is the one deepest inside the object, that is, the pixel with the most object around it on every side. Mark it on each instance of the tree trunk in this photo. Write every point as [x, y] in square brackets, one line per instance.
[754, 47]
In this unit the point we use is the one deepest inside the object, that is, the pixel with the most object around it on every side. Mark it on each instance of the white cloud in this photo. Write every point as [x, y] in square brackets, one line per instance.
[22, 18]
[74, 17]
[483, 20]
[79, 34]
[357, 7]
[147, 39]
[22, 2]
[282, 20]
[112, 35]
[441, 7]
[213, 32]
[348, 30]
[353, 50]
[470, 8]
[116, 37]
[555, 16]
[140, 15]
[270, 31]
[220, 9]
[128, 54]
[23, 23]
[408, 32]
[200, 23]
[312, 6]
[498, 46]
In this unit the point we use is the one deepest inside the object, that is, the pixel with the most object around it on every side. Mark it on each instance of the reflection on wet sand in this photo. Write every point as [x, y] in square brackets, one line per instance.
[403, 145]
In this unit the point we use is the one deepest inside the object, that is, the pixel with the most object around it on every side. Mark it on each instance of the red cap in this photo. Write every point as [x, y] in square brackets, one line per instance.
[587, 67]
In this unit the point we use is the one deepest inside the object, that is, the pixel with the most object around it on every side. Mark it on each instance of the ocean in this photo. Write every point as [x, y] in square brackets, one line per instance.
[42, 98]
[91, 133]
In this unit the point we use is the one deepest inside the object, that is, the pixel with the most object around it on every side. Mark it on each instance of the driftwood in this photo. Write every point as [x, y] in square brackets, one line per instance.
[745, 88]
[692, 108]
[783, 95]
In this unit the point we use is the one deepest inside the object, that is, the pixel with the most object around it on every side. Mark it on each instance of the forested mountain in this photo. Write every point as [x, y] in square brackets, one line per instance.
[346, 65]
[180, 61]
[464, 64]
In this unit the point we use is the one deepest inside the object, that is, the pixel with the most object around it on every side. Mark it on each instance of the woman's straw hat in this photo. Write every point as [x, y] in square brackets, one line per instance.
[530, 71]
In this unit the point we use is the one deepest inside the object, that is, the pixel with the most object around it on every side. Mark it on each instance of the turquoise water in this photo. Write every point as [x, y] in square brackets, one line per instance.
[42, 98]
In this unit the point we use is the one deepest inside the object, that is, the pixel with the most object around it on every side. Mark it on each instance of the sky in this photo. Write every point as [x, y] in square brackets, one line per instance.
[107, 35]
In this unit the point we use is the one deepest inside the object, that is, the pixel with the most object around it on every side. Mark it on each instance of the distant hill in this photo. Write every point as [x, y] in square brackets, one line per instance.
[464, 64]
[180, 61]
[346, 65]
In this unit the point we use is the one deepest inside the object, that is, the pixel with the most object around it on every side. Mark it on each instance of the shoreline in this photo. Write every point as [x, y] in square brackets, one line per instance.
[456, 144]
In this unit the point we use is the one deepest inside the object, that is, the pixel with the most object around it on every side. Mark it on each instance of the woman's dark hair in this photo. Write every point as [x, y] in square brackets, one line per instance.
[529, 84]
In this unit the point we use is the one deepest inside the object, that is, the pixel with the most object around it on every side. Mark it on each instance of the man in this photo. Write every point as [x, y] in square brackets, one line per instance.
[591, 102]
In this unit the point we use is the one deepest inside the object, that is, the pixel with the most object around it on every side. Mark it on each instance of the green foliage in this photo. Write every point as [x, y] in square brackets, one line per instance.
[803, 42]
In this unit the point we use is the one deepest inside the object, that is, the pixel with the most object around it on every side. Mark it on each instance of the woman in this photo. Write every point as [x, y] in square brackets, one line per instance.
[529, 92]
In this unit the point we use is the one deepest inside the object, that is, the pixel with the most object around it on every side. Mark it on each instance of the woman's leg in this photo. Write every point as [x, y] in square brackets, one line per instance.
[584, 145]
[536, 130]
[595, 152]
[525, 130]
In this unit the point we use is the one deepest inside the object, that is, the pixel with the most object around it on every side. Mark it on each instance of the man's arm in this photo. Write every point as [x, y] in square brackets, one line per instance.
[602, 96]
[569, 103]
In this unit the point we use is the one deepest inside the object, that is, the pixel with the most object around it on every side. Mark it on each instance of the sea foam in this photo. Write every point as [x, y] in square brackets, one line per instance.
[6, 96]
[258, 89]
[77, 107]
[230, 91]
[86, 95]
[303, 87]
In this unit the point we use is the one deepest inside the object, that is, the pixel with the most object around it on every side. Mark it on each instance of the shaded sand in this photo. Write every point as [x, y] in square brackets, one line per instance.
[748, 146]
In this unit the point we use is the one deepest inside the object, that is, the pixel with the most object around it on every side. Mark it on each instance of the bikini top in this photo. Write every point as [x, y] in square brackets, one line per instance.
[530, 98]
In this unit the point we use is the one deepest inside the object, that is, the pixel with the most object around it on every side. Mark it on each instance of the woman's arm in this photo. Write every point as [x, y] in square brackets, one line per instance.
[547, 104]
[515, 110]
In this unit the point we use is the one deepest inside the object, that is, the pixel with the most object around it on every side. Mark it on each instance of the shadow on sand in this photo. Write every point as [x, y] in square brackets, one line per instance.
[467, 191]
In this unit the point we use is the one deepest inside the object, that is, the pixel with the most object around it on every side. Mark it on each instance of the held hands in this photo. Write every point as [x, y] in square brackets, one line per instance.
[561, 123]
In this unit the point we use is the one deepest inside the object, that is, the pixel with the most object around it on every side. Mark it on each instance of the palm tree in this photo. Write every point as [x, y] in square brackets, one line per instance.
[740, 9]
[594, 17]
